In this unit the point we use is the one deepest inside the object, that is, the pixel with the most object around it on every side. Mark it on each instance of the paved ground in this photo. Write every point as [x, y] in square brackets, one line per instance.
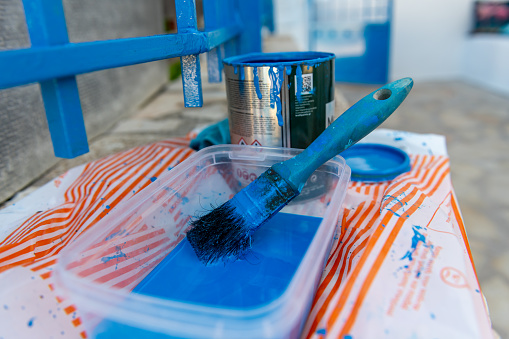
[475, 122]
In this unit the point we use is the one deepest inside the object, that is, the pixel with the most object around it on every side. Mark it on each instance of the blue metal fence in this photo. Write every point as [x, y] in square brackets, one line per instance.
[231, 27]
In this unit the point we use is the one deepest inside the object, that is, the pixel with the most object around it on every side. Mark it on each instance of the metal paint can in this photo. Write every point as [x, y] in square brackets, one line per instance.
[279, 99]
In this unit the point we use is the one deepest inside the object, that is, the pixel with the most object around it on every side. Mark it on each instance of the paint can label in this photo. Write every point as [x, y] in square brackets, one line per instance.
[279, 99]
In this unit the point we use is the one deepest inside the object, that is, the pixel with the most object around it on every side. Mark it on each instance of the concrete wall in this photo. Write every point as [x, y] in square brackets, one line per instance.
[25, 145]
[485, 61]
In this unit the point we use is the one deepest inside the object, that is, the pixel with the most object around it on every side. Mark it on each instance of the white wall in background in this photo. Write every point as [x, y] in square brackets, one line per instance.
[430, 40]
[427, 38]
[486, 61]
[291, 18]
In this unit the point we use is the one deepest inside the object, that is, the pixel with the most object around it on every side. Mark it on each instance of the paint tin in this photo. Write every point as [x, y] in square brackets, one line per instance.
[279, 99]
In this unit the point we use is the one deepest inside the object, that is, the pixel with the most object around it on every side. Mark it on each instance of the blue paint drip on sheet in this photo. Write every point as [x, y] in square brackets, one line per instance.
[417, 237]
[117, 255]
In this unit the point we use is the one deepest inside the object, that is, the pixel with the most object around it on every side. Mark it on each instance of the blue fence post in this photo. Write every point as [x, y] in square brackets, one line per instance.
[190, 64]
[250, 40]
[211, 15]
[47, 27]
[232, 27]
[268, 15]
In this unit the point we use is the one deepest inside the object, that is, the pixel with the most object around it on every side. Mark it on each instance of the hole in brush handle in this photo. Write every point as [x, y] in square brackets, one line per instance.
[382, 94]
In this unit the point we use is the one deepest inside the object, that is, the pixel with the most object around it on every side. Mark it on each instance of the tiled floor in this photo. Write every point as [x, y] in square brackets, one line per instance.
[475, 122]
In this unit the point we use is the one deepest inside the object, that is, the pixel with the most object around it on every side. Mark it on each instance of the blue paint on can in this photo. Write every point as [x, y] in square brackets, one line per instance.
[302, 104]
[256, 81]
[298, 84]
[276, 75]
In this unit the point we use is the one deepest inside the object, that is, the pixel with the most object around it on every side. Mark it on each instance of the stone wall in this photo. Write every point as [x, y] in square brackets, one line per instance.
[106, 96]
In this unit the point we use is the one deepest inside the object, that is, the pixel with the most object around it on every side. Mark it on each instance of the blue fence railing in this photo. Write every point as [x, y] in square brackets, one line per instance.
[231, 27]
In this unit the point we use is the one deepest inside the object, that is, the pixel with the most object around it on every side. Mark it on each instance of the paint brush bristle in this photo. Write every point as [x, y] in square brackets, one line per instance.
[224, 234]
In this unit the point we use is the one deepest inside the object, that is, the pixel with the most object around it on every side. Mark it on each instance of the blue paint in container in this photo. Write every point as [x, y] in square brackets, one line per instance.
[112, 311]
[262, 277]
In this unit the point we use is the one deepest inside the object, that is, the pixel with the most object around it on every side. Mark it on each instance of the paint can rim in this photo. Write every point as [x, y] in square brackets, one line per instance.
[279, 59]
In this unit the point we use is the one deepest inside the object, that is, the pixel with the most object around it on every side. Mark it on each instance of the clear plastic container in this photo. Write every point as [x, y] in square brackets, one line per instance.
[103, 270]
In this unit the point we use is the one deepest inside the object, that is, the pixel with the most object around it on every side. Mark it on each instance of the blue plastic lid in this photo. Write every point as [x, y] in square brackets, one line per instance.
[376, 162]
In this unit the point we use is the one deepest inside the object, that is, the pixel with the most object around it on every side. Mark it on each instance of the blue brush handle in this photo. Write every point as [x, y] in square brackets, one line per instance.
[350, 127]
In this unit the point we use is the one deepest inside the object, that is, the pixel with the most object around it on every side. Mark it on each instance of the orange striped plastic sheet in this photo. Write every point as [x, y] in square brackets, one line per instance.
[400, 266]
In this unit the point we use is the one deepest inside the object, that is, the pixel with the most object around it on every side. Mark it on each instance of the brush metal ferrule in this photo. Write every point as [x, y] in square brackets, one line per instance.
[264, 197]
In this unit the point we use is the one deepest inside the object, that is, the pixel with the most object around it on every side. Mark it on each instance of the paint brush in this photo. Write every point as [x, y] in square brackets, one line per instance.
[225, 232]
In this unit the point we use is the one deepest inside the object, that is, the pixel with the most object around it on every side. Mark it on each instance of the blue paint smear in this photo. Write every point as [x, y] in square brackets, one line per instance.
[372, 120]
[114, 235]
[321, 331]
[256, 81]
[299, 84]
[276, 79]
[31, 322]
[347, 336]
[418, 237]
[432, 316]
[119, 254]
[153, 179]
[263, 276]
[242, 73]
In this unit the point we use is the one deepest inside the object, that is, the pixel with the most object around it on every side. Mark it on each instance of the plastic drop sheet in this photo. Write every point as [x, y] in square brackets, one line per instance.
[400, 265]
